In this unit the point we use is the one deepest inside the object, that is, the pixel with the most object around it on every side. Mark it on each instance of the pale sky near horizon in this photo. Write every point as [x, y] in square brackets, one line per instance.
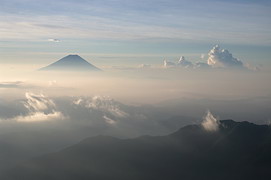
[120, 32]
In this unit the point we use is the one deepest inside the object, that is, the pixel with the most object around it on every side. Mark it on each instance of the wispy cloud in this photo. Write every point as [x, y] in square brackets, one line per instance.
[16, 84]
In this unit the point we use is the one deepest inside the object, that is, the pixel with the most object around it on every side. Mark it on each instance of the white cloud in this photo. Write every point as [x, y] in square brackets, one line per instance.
[78, 101]
[252, 68]
[210, 123]
[201, 65]
[222, 58]
[168, 64]
[102, 103]
[184, 63]
[40, 108]
[38, 102]
[39, 117]
[217, 58]
[54, 40]
[109, 120]
[181, 63]
[144, 66]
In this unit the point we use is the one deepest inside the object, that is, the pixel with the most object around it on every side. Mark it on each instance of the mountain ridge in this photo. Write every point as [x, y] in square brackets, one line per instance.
[238, 150]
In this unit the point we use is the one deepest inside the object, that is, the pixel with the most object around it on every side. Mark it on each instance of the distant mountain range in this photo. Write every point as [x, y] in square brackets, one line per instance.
[238, 150]
[71, 63]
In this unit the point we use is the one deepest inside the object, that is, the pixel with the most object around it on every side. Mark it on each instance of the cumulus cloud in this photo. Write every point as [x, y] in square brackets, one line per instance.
[144, 66]
[210, 123]
[181, 63]
[168, 64]
[222, 58]
[217, 58]
[201, 65]
[54, 40]
[184, 63]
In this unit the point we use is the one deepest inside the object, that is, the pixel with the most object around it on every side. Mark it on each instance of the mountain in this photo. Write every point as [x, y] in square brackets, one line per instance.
[70, 63]
[238, 150]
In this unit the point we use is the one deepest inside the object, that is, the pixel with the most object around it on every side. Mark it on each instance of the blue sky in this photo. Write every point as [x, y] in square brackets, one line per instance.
[147, 30]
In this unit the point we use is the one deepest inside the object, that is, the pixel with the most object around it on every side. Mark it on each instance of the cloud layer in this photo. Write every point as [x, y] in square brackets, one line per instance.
[15, 84]
[86, 115]
[92, 115]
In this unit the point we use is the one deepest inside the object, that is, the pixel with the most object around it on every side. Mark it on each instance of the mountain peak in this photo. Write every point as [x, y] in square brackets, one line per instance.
[73, 55]
[71, 62]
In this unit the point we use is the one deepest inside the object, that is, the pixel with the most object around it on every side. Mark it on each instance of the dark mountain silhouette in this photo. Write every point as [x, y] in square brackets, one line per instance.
[70, 63]
[238, 150]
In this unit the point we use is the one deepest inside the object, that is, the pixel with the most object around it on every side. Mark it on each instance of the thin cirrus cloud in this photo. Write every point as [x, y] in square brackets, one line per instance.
[86, 27]
[132, 20]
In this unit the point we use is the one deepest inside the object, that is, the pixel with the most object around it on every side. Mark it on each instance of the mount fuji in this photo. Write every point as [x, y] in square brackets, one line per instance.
[71, 63]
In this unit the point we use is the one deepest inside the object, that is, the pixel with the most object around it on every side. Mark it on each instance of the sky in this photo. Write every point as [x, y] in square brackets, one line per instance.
[126, 32]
